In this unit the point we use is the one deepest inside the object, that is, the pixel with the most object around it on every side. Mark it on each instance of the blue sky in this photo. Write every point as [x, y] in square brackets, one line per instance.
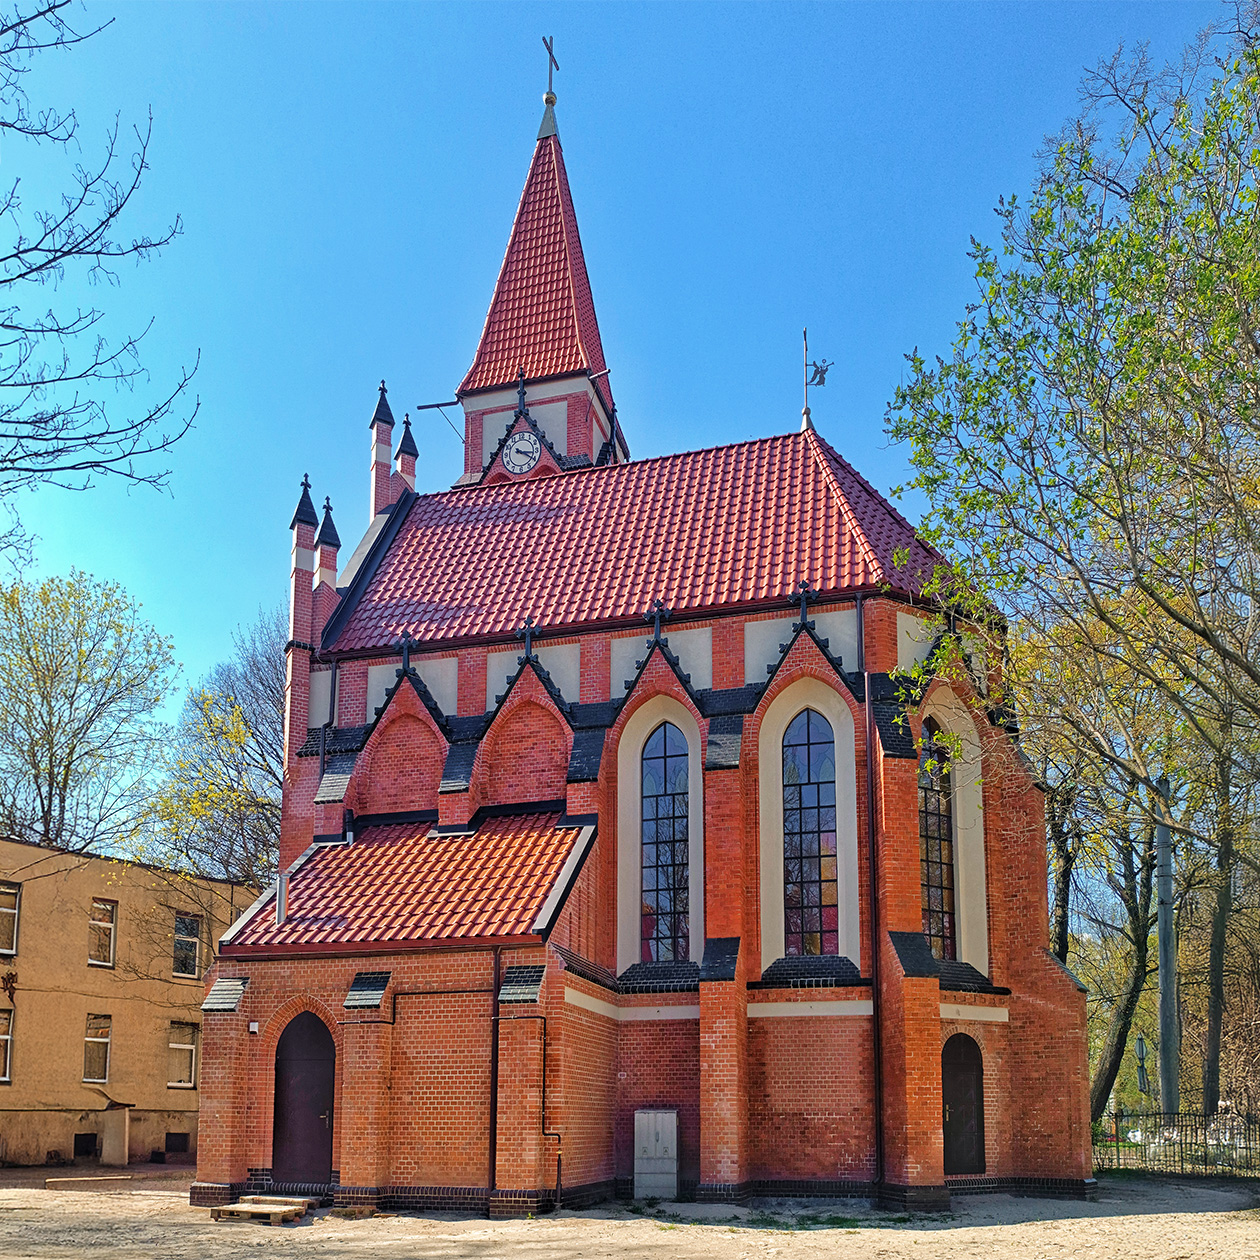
[347, 176]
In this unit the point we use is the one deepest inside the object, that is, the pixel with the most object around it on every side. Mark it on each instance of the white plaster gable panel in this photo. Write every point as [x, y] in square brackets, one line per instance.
[321, 697]
[915, 636]
[622, 655]
[563, 661]
[551, 418]
[694, 649]
[380, 679]
[762, 639]
[441, 675]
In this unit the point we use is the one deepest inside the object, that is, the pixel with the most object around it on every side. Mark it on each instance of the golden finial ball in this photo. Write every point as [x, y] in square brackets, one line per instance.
[549, 98]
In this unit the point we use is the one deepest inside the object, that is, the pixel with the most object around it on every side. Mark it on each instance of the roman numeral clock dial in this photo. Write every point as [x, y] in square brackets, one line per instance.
[521, 452]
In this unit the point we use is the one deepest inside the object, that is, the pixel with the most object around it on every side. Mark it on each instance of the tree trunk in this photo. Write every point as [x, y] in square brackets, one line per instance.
[1221, 910]
[1134, 889]
[1062, 860]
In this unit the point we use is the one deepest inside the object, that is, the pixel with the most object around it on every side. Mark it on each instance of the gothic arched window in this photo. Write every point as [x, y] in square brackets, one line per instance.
[665, 842]
[936, 843]
[810, 911]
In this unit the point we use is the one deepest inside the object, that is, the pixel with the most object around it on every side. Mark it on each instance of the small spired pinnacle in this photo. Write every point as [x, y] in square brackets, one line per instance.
[305, 512]
[382, 414]
[327, 536]
[407, 444]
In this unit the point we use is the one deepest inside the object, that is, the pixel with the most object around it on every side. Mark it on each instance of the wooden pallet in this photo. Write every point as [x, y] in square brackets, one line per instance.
[271, 1209]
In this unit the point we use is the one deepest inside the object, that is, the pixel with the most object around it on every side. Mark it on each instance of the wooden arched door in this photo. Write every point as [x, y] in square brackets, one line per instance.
[302, 1133]
[962, 1099]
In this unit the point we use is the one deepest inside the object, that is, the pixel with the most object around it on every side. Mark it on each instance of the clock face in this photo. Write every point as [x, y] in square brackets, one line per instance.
[521, 452]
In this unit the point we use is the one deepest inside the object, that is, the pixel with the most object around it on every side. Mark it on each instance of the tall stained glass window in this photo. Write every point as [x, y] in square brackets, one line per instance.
[664, 932]
[936, 843]
[810, 912]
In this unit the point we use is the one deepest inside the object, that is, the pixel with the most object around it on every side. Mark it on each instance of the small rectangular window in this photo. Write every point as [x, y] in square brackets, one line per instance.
[9, 897]
[187, 945]
[182, 1058]
[96, 1049]
[6, 1046]
[101, 925]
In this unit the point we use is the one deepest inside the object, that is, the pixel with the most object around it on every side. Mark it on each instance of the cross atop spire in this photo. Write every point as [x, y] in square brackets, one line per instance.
[526, 632]
[803, 595]
[656, 614]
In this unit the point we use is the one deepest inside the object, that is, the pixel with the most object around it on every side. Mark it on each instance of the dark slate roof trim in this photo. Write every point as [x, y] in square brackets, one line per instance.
[521, 984]
[961, 977]
[721, 954]
[363, 821]
[458, 768]
[341, 739]
[225, 994]
[726, 734]
[588, 752]
[914, 954]
[815, 971]
[367, 991]
[660, 977]
[895, 736]
[729, 701]
[588, 970]
[367, 570]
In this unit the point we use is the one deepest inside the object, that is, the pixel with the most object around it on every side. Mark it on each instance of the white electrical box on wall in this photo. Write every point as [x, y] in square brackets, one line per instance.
[656, 1154]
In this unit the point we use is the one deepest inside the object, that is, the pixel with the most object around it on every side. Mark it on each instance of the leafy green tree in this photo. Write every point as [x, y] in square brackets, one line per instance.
[82, 677]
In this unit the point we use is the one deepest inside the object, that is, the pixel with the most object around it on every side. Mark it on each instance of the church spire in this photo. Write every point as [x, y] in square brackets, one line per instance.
[542, 314]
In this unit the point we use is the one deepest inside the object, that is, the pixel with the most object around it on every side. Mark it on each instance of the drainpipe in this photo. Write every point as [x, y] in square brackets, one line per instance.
[494, 1075]
[873, 874]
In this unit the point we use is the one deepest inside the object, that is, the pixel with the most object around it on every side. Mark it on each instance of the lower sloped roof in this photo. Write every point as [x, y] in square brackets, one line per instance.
[405, 885]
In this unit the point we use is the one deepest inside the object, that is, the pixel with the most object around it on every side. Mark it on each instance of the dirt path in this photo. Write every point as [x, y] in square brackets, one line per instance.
[1133, 1220]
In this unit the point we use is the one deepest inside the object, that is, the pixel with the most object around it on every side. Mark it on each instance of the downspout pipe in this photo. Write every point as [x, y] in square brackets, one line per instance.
[877, 1076]
[494, 1078]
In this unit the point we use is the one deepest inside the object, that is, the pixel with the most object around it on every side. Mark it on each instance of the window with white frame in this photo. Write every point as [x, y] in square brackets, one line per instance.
[96, 1049]
[6, 1046]
[101, 927]
[187, 945]
[182, 1057]
[10, 895]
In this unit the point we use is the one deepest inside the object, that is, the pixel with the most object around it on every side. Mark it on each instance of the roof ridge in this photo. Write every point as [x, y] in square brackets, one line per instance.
[814, 442]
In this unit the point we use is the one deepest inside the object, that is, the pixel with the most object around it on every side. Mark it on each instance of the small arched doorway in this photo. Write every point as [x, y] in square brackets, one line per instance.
[306, 1064]
[962, 1099]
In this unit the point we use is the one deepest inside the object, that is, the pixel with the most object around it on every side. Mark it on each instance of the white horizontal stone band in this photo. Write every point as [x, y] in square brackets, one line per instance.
[778, 1010]
[576, 997]
[979, 1014]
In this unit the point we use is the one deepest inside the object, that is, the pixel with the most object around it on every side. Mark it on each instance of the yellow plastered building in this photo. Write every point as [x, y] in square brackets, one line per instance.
[101, 967]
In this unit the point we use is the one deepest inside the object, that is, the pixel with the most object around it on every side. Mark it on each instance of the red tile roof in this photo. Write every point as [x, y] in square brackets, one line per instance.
[395, 885]
[542, 315]
[732, 525]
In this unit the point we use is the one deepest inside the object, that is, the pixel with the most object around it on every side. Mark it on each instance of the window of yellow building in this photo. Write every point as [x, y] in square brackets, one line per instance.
[187, 945]
[9, 896]
[101, 927]
[6, 1046]
[96, 1049]
[183, 1056]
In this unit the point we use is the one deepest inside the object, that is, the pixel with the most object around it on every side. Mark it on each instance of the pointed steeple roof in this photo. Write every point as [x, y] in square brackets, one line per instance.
[382, 411]
[327, 536]
[407, 444]
[542, 315]
[304, 514]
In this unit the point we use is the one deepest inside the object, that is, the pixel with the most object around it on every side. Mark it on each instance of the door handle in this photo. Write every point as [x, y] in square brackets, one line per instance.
[323, 1115]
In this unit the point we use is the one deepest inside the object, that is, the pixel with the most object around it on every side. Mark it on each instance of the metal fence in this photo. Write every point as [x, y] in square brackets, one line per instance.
[1223, 1145]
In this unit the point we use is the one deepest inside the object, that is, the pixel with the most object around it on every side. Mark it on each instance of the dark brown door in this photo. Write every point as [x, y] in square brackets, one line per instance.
[962, 1096]
[306, 1064]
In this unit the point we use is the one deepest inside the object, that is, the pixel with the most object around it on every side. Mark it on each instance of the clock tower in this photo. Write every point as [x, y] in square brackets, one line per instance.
[537, 399]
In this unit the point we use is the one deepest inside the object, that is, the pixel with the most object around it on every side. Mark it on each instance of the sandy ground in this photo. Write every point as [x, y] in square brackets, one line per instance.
[1133, 1220]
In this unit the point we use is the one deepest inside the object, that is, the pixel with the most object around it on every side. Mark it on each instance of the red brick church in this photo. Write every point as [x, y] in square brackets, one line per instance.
[615, 859]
